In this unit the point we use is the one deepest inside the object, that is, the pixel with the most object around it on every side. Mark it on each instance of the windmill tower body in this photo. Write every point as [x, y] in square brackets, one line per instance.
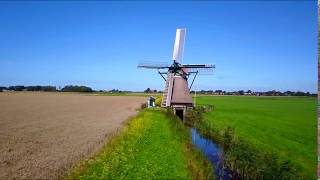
[176, 93]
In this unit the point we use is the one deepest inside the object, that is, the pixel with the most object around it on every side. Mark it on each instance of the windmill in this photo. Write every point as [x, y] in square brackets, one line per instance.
[176, 93]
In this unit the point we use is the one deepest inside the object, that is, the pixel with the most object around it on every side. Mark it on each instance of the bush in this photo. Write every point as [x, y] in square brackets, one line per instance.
[194, 116]
[158, 101]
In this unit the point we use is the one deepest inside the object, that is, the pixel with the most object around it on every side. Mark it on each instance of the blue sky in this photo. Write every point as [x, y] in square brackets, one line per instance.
[254, 45]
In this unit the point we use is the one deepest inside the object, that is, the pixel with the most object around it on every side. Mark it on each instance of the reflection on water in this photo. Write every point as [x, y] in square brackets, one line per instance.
[213, 153]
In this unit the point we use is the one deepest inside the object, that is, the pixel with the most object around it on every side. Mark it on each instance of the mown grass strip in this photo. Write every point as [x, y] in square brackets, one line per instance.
[153, 145]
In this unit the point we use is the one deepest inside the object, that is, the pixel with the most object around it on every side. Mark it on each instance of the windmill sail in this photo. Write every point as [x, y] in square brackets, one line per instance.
[179, 45]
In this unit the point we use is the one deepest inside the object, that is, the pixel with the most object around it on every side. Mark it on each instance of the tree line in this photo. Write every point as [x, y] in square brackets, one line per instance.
[76, 88]
[244, 93]
[255, 93]
[68, 88]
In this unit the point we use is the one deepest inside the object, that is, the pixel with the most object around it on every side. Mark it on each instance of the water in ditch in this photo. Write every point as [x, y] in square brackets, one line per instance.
[213, 153]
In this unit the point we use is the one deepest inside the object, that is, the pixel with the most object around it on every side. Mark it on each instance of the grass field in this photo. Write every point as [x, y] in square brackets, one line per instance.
[152, 145]
[285, 125]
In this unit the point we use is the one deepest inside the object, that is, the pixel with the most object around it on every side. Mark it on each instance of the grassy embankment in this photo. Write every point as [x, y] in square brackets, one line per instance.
[152, 145]
[285, 126]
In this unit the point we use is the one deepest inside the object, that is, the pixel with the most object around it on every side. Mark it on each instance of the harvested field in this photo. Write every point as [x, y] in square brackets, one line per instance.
[43, 134]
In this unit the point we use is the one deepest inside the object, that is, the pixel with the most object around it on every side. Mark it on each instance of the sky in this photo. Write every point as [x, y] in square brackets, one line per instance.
[256, 45]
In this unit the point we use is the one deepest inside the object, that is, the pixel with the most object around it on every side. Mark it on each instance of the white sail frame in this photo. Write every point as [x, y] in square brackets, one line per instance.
[179, 45]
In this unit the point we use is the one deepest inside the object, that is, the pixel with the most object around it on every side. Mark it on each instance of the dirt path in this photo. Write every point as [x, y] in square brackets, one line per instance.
[43, 134]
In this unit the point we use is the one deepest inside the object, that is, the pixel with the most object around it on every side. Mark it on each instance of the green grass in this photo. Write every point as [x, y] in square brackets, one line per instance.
[152, 145]
[285, 125]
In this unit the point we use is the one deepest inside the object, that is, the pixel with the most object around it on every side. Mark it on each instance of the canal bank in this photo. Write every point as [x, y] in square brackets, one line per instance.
[241, 158]
[153, 145]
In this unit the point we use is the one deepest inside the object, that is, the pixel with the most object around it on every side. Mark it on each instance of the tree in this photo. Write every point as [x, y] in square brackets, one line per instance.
[148, 90]
[16, 88]
[241, 92]
[48, 88]
[2, 88]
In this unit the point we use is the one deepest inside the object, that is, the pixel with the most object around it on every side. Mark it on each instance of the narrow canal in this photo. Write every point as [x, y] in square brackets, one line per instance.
[213, 153]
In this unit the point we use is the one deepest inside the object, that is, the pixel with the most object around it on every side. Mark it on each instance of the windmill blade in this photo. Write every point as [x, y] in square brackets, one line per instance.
[153, 65]
[203, 69]
[199, 66]
[179, 45]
